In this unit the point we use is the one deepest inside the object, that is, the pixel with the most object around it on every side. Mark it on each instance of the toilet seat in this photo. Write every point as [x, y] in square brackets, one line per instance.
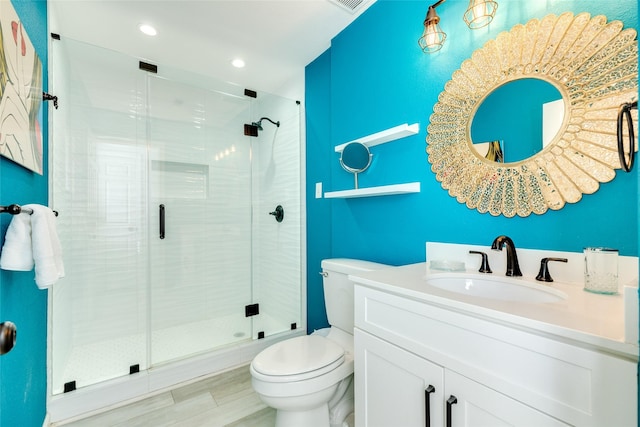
[298, 359]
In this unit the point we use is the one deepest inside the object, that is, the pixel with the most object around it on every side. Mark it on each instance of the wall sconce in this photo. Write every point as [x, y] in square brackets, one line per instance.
[433, 37]
[478, 14]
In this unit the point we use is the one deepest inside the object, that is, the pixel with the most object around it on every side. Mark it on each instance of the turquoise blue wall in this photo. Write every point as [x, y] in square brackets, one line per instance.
[375, 77]
[318, 150]
[23, 374]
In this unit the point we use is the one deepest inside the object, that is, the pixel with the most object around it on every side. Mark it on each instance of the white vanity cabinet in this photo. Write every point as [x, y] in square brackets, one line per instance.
[477, 405]
[498, 374]
[396, 388]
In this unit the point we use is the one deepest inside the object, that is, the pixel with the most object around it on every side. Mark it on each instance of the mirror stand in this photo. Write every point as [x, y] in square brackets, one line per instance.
[355, 158]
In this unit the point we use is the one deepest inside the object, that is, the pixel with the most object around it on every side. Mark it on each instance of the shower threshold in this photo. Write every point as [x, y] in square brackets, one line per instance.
[129, 388]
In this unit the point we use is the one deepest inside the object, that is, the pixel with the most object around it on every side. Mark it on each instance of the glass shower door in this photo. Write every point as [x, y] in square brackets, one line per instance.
[276, 262]
[200, 219]
[98, 178]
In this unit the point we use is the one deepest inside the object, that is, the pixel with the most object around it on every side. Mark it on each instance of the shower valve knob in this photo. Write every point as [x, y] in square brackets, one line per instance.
[278, 213]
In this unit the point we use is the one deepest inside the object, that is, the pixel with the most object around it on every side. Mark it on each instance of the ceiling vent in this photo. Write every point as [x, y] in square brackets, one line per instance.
[351, 6]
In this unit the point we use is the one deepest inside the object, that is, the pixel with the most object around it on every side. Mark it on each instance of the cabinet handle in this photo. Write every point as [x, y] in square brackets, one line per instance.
[452, 400]
[161, 213]
[427, 406]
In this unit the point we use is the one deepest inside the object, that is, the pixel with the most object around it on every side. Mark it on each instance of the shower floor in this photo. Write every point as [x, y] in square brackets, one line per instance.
[109, 359]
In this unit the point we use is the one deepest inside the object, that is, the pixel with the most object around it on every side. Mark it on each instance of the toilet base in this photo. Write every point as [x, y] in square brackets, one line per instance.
[292, 413]
[318, 417]
[341, 404]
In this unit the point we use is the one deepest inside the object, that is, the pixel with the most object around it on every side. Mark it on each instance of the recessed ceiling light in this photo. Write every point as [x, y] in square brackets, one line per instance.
[238, 63]
[147, 29]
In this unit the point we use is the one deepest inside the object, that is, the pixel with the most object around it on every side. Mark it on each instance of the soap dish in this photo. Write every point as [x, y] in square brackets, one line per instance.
[446, 265]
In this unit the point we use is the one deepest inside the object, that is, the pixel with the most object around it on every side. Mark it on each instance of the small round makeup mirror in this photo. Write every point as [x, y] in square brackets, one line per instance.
[355, 158]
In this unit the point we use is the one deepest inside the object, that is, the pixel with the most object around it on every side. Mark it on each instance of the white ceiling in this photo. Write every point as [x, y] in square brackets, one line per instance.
[277, 39]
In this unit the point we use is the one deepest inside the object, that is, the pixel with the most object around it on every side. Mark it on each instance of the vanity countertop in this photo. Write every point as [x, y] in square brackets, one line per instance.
[584, 318]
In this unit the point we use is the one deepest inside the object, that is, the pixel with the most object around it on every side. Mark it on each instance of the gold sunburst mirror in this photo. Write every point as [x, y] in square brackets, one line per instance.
[592, 63]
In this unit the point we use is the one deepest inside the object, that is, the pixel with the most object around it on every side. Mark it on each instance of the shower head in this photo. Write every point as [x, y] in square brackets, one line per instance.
[254, 127]
[258, 124]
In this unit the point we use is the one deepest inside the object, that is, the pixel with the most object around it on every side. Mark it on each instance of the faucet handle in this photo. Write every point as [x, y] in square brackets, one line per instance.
[544, 275]
[484, 267]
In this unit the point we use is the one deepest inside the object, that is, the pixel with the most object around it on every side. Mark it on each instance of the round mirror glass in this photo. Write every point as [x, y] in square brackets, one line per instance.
[517, 120]
[355, 157]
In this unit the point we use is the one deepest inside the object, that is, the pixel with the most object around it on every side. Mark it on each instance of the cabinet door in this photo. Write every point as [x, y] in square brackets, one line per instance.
[479, 406]
[395, 388]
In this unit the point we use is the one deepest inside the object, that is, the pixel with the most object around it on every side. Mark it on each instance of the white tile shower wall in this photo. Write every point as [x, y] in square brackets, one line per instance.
[276, 253]
[209, 277]
[101, 225]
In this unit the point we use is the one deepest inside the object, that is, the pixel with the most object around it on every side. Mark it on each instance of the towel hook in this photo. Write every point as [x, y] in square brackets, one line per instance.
[48, 97]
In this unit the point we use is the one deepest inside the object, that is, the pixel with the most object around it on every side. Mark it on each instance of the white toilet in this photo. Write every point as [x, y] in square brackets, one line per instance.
[309, 379]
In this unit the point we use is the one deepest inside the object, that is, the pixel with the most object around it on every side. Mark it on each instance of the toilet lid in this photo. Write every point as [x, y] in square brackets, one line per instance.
[298, 355]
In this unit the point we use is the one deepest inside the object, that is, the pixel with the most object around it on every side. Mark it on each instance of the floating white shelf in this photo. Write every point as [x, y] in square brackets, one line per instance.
[384, 190]
[384, 136]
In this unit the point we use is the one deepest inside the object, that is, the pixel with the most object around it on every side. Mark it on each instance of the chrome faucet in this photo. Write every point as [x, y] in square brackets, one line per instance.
[513, 269]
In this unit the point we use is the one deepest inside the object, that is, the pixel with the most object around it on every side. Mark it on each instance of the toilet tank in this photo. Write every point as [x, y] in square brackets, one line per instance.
[338, 290]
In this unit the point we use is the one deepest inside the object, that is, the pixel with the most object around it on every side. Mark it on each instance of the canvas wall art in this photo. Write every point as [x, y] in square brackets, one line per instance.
[20, 93]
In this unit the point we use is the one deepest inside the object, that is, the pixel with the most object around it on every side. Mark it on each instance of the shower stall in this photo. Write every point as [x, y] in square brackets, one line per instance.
[176, 266]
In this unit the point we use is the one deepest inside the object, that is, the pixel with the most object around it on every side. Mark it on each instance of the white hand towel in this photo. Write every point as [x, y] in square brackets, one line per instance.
[16, 252]
[47, 252]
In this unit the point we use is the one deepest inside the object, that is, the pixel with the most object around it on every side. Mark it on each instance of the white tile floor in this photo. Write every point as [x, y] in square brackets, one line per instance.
[225, 400]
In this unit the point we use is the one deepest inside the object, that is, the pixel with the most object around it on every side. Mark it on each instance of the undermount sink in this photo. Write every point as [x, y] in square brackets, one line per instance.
[495, 287]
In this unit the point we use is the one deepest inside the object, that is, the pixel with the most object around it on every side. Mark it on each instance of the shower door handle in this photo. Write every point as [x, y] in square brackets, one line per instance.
[161, 213]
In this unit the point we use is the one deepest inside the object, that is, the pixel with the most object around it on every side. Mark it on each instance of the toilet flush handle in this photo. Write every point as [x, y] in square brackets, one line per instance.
[323, 273]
